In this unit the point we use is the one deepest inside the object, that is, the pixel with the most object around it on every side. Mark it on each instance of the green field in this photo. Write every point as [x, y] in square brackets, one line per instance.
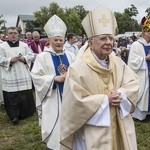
[26, 134]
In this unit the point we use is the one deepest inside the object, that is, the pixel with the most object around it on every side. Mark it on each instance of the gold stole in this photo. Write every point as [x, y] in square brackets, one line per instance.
[106, 81]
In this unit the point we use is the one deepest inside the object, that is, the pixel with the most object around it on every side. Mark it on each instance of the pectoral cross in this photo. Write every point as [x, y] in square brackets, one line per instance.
[104, 20]
[62, 68]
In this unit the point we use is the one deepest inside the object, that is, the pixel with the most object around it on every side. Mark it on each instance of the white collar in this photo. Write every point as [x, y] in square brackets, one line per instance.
[142, 40]
[103, 63]
[50, 49]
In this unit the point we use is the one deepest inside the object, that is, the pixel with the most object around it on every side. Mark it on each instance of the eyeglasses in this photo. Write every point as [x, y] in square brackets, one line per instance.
[12, 33]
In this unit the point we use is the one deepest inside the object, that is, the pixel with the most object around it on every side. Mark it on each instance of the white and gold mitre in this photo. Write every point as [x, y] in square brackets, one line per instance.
[100, 20]
[55, 27]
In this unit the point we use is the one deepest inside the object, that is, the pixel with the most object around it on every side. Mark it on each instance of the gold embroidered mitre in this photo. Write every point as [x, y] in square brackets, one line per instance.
[100, 20]
[145, 24]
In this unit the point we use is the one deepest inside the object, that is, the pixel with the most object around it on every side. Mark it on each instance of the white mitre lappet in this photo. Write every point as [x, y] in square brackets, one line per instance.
[55, 27]
[100, 20]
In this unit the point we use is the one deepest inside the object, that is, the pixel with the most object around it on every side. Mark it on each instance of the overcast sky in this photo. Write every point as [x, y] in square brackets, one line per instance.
[10, 9]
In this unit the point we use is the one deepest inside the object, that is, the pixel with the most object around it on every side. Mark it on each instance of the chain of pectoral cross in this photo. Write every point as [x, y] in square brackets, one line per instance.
[62, 67]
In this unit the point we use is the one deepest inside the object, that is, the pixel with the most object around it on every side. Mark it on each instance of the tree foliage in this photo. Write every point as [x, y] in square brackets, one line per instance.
[81, 11]
[1, 19]
[71, 16]
[72, 21]
[2, 24]
[131, 11]
[125, 20]
[45, 13]
[148, 11]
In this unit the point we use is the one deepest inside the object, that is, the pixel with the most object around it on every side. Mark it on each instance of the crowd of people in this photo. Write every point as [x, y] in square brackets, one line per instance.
[85, 97]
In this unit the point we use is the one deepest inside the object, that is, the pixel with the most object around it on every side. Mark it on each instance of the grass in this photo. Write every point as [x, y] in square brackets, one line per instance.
[143, 134]
[26, 134]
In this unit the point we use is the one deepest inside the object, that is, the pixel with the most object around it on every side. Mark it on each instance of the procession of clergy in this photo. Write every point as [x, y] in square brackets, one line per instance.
[86, 98]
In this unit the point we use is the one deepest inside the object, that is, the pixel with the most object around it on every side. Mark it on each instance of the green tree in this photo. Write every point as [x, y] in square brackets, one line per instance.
[45, 13]
[1, 20]
[123, 21]
[148, 11]
[72, 21]
[29, 26]
[131, 11]
[71, 16]
[2, 24]
[126, 21]
[82, 13]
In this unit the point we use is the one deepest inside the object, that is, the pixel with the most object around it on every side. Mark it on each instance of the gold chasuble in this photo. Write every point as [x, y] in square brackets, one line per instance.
[90, 83]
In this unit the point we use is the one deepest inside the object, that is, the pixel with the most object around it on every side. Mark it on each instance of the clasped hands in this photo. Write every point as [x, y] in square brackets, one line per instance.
[17, 58]
[60, 78]
[114, 98]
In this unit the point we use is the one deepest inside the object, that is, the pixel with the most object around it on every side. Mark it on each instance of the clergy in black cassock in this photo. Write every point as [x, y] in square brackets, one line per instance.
[15, 59]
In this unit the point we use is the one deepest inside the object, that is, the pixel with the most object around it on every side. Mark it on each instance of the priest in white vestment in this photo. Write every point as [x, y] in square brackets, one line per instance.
[100, 93]
[139, 62]
[15, 60]
[70, 44]
[48, 74]
[1, 93]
